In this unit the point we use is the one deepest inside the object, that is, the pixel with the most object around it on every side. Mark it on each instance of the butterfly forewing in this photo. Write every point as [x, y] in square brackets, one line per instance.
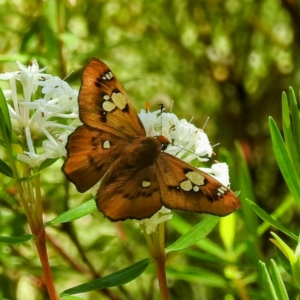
[103, 102]
[187, 188]
[91, 152]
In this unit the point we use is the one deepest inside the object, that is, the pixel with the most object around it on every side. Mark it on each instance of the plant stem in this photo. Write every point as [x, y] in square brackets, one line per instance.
[160, 263]
[156, 244]
[42, 251]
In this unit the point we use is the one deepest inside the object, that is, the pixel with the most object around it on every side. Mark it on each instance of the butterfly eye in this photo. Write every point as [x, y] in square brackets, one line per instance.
[165, 146]
[164, 142]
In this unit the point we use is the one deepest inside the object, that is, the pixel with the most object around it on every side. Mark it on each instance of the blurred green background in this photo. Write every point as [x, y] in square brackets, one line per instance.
[226, 60]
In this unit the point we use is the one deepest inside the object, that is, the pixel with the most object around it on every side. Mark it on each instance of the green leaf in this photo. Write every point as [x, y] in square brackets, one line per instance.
[198, 232]
[285, 249]
[72, 298]
[5, 169]
[196, 275]
[206, 245]
[118, 278]
[278, 284]
[5, 118]
[16, 239]
[286, 166]
[294, 108]
[75, 213]
[267, 218]
[46, 163]
[246, 187]
[288, 133]
[266, 282]
[36, 174]
[227, 231]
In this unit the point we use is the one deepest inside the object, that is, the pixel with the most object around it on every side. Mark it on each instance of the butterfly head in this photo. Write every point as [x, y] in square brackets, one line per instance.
[164, 142]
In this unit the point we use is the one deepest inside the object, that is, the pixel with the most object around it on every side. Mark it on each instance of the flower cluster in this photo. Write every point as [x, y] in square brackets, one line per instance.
[188, 143]
[37, 108]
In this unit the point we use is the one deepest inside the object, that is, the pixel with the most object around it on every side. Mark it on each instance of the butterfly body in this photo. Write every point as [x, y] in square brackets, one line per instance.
[137, 176]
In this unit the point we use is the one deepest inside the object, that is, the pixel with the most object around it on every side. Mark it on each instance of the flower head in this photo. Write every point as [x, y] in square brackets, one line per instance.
[42, 112]
[188, 143]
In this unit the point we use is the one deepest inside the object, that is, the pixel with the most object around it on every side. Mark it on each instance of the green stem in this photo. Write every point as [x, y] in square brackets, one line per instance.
[31, 200]
[156, 244]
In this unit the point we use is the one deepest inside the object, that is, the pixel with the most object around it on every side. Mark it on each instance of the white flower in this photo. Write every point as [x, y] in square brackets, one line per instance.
[187, 141]
[219, 171]
[163, 215]
[35, 119]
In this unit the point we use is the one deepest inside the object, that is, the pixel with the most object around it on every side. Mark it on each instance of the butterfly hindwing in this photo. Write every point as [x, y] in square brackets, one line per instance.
[129, 194]
[104, 104]
[187, 188]
[91, 152]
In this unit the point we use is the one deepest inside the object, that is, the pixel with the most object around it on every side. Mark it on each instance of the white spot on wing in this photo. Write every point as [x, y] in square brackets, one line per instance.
[195, 178]
[186, 185]
[106, 144]
[146, 184]
[119, 100]
[108, 106]
[196, 188]
[221, 191]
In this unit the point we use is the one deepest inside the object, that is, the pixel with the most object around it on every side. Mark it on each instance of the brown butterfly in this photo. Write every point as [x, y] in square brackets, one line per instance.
[138, 177]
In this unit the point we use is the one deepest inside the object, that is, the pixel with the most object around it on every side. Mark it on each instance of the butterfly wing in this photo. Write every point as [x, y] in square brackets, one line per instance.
[91, 152]
[103, 102]
[187, 188]
[129, 194]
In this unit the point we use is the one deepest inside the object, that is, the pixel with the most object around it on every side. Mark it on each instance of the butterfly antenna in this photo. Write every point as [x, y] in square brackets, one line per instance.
[192, 152]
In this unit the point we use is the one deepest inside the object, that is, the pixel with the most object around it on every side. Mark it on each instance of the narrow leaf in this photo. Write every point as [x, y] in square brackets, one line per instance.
[267, 218]
[72, 298]
[267, 282]
[246, 186]
[48, 162]
[5, 117]
[207, 245]
[288, 133]
[118, 278]
[278, 282]
[16, 239]
[197, 233]
[286, 250]
[227, 231]
[295, 119]
[5, 169]
[286, 166]
[75, 213]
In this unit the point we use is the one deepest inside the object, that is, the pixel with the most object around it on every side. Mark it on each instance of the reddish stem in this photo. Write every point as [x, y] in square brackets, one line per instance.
[40, 243]
[160, 262]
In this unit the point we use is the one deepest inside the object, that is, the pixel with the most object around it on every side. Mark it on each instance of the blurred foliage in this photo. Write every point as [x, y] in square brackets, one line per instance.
[227, 60]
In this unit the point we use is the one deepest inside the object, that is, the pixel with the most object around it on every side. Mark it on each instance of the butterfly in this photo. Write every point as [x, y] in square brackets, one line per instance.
[137, 176]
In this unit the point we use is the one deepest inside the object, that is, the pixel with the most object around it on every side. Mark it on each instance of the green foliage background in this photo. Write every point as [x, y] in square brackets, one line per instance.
[227, 60]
